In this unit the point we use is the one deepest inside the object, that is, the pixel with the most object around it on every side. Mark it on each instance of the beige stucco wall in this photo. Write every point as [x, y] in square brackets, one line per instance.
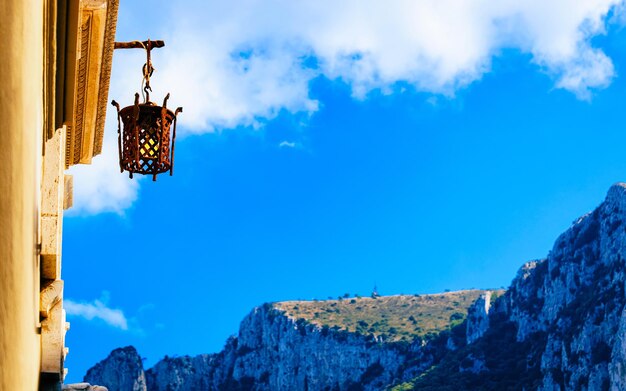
[21, 116]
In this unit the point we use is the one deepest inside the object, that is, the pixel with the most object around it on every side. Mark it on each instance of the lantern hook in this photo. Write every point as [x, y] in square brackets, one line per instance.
[147, 70]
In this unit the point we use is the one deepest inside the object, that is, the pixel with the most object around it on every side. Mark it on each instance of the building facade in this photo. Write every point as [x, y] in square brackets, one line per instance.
[54, 82]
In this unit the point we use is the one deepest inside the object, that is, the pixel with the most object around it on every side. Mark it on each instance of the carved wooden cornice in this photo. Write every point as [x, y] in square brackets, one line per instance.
[90, 41]
[105, 74]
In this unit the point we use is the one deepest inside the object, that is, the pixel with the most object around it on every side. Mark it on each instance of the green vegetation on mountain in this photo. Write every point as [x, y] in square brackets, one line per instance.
[496, 362]
[394, 318]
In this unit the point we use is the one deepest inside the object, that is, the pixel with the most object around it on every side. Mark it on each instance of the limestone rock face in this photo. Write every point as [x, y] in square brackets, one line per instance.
[478, 317]
[203, 372]
[122, 370]
[617, 366]
[310, 357]
[575, 300]
[274, 352]
[83, 387]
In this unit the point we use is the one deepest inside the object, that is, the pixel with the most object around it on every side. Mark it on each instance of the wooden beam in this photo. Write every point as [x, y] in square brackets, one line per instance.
[88, 70]
[140, 45]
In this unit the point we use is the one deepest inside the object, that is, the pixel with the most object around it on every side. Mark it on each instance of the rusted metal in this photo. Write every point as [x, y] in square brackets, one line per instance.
[143, 129]
[139, 45]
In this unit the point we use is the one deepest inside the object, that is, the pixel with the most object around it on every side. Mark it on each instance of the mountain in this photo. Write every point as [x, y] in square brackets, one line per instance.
[351, 343]
[123, 370]
[561, 325]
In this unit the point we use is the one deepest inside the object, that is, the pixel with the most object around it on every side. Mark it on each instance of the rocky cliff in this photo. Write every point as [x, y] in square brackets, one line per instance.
[122, 370]
[306, 346]
[560, 326]
[273, 352]
[575, 301]
[562, 320]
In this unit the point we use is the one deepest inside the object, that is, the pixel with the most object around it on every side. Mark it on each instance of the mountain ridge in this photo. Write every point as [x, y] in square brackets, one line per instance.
[562, 320]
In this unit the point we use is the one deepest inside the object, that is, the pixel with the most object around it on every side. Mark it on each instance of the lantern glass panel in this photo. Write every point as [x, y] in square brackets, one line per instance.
[149, 144]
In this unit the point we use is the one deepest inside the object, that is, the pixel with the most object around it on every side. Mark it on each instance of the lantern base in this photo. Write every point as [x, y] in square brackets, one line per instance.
[147, 167]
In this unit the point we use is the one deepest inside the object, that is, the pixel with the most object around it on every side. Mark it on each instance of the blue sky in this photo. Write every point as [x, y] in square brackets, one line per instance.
[311, 166]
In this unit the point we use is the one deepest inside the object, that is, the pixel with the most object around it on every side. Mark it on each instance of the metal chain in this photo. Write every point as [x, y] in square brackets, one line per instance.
[147, 71]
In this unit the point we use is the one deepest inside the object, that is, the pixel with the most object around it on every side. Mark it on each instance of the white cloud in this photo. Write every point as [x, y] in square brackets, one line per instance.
[287, 144]
[97, 309]
[242, 62]
[100, 187]
[231, 63]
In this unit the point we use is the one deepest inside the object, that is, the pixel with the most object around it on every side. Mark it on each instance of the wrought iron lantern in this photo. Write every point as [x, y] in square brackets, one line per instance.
[145, 144]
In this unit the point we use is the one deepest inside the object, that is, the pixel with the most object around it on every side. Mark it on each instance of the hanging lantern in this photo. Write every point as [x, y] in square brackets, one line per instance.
[146, 142]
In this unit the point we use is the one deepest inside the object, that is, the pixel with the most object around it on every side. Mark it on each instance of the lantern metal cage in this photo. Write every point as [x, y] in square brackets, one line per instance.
[146, 142]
